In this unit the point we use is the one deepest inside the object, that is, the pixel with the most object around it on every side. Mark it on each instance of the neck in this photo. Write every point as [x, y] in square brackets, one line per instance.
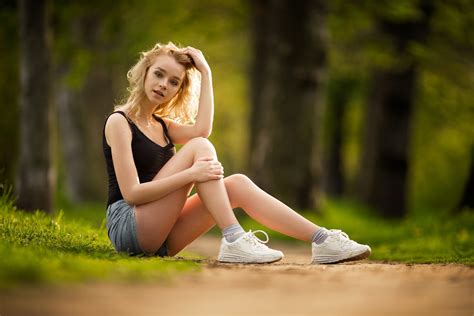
[146, 110]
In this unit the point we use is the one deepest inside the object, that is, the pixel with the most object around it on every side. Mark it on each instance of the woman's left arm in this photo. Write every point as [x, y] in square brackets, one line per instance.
[180, 133]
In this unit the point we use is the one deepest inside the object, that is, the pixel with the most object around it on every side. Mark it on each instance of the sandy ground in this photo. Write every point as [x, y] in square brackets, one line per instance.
[289, 287]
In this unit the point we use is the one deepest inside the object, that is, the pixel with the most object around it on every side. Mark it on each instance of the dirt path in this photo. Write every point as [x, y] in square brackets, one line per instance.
[290, 287]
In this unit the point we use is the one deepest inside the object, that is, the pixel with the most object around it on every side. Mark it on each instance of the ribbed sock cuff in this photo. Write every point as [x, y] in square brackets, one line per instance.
[320, 236]
[233, 232]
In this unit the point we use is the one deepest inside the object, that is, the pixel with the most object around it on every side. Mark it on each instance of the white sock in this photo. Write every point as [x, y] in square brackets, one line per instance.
[320, 236]
[233, 232]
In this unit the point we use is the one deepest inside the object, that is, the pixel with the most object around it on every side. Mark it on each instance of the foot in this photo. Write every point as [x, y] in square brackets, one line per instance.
[248, 249]
[337, 248]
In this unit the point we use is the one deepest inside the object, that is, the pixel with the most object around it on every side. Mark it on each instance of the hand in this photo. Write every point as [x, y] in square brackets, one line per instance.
[198, 58]
[206, 169]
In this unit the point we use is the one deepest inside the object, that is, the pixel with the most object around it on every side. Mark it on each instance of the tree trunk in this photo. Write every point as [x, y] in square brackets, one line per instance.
[289, 59]
[385, 162]
[82, 111]
[339, 93]
[35, 180]
[467, 199]
[71, 139]
[9, 90]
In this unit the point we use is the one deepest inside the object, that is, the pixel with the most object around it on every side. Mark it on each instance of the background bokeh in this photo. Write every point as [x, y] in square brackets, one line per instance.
[94, 44]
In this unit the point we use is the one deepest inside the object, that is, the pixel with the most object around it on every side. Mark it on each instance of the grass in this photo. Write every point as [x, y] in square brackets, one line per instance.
[72, 245]
[36, 248]
[424, 237]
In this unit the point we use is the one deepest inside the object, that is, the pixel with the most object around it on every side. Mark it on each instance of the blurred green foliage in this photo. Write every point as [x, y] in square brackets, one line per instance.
[442, 129]
[442, 125]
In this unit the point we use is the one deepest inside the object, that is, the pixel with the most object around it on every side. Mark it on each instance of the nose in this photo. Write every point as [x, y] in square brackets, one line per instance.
[162, 85]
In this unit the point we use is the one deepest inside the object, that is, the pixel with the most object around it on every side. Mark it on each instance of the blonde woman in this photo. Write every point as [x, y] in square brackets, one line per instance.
[149, 210]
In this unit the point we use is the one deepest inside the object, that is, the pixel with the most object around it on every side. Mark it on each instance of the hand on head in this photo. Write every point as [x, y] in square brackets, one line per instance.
[197, 58]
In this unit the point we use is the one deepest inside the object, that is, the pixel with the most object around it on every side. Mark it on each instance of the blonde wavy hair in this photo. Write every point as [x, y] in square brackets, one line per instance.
[183, 106]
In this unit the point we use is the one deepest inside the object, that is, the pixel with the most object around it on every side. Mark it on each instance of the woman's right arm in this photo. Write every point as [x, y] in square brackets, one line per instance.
[119, 138]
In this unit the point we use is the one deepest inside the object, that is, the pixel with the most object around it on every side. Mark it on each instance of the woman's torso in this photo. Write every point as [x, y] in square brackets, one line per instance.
[149, 157]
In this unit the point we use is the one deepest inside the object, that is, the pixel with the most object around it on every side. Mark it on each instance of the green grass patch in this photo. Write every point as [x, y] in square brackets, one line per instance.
[70, 247]
[419, 238]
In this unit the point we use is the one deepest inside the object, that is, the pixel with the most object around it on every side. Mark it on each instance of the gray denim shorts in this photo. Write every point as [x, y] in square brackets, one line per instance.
[122, 230]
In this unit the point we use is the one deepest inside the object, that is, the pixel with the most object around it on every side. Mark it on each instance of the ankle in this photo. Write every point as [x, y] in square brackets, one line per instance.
[233, 232]
[320, 236]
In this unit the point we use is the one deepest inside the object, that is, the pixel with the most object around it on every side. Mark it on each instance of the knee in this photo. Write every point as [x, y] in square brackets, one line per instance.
[237, 186]
[238, 179]
[201, 143]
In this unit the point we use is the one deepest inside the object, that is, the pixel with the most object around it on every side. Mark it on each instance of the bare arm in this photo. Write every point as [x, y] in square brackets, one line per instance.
[180, 133]
[119, 138]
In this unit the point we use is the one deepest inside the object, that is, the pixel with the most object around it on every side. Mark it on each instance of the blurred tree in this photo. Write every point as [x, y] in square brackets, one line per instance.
[385, 161]
[84, 94]
[339, 91]
[442, 113]
[35, 179]
[286, 82]
[467, 198]
[9, 120]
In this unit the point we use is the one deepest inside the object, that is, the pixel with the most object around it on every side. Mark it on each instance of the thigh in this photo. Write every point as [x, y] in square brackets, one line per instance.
[154, 220]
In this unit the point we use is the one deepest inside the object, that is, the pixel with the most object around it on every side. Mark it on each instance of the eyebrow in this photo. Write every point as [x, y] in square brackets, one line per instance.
[161, 69]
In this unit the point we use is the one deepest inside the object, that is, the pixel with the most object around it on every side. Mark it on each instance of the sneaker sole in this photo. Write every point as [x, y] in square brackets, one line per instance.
[328, 259]
[237, 260]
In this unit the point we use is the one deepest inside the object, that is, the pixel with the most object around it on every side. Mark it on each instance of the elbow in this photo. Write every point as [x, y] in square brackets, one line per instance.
[130, 197]
[205, 133]
[129, 200]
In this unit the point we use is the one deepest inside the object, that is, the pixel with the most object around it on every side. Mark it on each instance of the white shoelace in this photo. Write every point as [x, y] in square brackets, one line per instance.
[339, 232]
[257, 242]
[342, 236]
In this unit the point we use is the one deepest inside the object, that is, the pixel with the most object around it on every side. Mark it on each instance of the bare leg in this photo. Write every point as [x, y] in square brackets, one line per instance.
[193, 221]
[270, 212]
[267, 210]
[156, 219]
[196, 220]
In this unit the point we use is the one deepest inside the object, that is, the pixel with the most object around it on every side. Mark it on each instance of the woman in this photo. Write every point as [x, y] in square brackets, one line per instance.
[149, 211]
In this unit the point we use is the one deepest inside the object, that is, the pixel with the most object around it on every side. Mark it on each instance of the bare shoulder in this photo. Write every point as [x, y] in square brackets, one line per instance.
[116, 127]
[116, 120]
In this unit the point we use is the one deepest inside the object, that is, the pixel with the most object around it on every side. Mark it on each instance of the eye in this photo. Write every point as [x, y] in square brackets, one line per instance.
[175, 83]
[158, 74]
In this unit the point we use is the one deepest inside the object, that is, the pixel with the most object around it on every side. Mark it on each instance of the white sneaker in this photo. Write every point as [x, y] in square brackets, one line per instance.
[248, 249]
[338, 247]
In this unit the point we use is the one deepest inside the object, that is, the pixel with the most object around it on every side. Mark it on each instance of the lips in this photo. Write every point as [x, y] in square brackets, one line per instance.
[159, 93]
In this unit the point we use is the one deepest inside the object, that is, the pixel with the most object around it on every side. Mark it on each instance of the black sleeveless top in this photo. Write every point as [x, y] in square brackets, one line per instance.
[149, 157]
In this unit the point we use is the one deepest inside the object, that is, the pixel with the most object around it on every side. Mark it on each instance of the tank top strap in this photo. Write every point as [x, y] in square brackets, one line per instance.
[124, 115]
[165, 128]
[130, 123]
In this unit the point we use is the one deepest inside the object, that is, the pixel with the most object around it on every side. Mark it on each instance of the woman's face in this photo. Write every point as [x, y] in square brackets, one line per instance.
[163, 79]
